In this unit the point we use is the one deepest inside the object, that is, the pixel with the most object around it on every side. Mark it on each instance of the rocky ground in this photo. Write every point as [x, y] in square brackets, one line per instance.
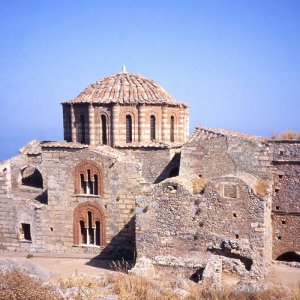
[84, 278]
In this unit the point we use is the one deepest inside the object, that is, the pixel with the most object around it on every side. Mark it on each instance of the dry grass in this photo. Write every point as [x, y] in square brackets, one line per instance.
[276, 293]
[262, 188]
[287, 135]
[20, 286]
[199, 185]
[130, 287]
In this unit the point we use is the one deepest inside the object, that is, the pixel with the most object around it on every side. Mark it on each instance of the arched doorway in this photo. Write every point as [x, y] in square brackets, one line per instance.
[289, 256]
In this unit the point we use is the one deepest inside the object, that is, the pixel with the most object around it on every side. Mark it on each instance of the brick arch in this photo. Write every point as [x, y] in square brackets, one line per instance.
[81, 214]
[81, 170]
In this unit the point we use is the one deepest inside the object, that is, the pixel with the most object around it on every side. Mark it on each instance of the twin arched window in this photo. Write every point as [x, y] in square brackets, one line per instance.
[89, 225]
[88, 179]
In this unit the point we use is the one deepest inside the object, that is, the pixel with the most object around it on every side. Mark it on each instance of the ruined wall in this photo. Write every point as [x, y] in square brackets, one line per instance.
[286, 238]
[286, 197]
[156, 164]
[51, 221]
[178, 224]
[211, 153]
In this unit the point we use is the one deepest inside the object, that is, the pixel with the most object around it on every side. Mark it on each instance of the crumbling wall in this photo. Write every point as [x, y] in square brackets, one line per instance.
[286, 197]
[178, 224]
[211, 153]
[157, 164]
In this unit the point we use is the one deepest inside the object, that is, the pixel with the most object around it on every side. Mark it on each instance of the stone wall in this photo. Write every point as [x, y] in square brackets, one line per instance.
[286, 197]
[116, 123]
[286, 238]
[156, 164]
[178, 224]
[49, 210]
[214, 152]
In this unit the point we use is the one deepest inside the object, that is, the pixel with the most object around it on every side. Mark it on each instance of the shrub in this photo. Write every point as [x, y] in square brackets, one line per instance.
[287, 135]
[21, 286]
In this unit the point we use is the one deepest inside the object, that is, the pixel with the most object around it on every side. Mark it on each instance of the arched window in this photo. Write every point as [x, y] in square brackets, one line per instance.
[32, 177]
[172, 129]
[152, 128]
[89, 226]
[104, 129]
[82, 127]
[88, 179]
[128, 129]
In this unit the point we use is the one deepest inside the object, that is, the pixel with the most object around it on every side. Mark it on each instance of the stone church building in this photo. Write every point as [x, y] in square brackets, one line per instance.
[128, 181]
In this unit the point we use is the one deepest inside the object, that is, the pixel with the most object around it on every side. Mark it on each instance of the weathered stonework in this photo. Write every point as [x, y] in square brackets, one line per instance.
[127, 182]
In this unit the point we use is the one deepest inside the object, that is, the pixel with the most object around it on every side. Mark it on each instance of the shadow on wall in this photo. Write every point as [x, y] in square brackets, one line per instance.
[289, 257]
[171, 169]
[43, 197]
[247, 262]
[121, 248]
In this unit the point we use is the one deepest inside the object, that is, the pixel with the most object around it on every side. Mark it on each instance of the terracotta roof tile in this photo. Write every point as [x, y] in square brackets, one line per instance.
[125, 88]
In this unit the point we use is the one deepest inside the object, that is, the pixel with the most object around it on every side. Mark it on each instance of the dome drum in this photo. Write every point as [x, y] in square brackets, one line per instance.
[123, 110]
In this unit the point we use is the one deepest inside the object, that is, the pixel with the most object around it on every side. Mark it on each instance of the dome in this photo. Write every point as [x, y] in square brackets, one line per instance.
[125, 88]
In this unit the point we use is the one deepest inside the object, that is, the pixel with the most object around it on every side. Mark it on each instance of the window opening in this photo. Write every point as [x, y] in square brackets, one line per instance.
[172, 129]
[152, 128]
[26, 231]
[32, 177]
[98, 233]
[95, 184]
[83, 232]
[104, 129]
[82, 124]
[128, 129]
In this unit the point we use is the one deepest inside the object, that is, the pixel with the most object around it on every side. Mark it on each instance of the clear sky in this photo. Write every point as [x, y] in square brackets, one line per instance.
[237, 63]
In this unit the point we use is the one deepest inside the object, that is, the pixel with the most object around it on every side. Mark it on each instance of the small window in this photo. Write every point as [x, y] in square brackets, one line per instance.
[280, 176]
[104, 129]
[277, 207]
[283, 222]
[172, 129]
[279, 237]
[128, 129]
[152, 128]
[82, 125]
[26, 234]
[234, 215]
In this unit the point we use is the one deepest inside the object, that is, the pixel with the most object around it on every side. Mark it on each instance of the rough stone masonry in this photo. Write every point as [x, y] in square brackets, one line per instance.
[127, 182]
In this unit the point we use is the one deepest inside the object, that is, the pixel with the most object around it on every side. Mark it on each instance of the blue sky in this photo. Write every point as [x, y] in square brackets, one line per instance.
[237, 63]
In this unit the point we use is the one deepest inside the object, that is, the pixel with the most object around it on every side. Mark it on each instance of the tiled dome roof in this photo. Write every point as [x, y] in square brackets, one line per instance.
[125, 88]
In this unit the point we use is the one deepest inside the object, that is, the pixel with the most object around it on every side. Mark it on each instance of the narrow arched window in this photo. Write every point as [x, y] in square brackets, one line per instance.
[152, 128]
[172, 129]
[82, 125]
[128, 129]
[104, 129]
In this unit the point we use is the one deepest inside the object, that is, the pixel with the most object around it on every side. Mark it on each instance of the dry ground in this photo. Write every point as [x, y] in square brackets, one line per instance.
[65, 267]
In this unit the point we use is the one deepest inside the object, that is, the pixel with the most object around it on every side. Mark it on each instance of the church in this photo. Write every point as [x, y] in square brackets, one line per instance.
[128, 182]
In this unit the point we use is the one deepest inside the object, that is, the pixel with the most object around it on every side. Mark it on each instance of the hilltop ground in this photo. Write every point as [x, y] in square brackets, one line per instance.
[64, 267]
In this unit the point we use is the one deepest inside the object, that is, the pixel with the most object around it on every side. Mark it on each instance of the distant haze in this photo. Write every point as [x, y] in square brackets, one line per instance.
[236, 63]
